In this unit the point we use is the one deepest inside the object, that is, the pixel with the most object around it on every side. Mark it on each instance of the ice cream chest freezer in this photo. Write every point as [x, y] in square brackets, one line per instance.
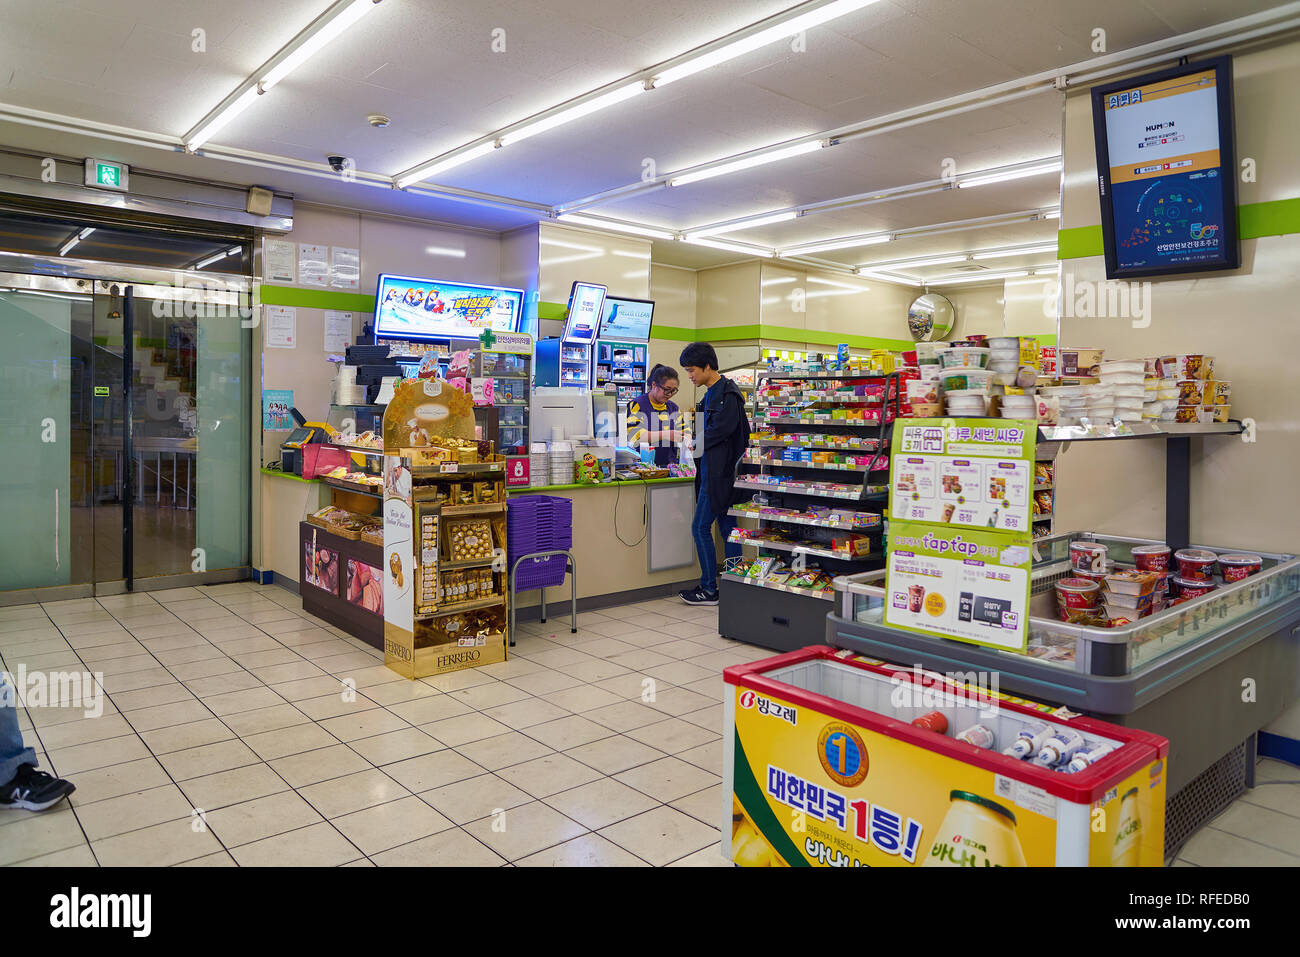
[824, 766]
[1206, 674]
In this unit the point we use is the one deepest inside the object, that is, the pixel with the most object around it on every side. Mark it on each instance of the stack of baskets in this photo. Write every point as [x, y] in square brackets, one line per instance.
[539, 523]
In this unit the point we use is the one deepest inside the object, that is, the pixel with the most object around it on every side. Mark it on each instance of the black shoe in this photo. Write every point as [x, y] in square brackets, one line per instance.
[34, 790]
[698, 596]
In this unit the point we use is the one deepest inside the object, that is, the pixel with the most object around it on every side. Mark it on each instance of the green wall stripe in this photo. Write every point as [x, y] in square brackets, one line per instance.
[1277, 217]
[552, 310]
[316, 298]
[1079, 242]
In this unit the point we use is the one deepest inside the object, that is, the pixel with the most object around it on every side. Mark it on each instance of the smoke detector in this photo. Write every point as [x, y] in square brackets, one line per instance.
[378, 120]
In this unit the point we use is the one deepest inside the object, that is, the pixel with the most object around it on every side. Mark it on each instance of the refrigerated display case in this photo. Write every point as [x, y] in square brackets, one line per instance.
[1178, 672]
[834, 759]
[620, 368]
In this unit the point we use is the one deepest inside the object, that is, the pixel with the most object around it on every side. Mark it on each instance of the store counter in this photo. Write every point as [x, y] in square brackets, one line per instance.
[621, 531]
[286, 501]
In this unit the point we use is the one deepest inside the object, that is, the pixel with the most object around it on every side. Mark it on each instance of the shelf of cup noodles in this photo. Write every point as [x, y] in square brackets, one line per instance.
[1040, 743]
[1099, 593]
[1061, 386]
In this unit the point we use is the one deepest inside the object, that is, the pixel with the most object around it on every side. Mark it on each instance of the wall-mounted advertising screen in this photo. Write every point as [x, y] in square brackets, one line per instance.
[626, 319]
[409, 308]
[586, 300]
[1167, 171]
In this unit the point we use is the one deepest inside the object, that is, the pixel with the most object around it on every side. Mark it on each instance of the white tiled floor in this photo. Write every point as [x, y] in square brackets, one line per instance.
[226, 739]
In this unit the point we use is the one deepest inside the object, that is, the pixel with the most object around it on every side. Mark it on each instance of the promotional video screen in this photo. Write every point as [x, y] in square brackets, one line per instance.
[626, 319]
[586, 300]
[408, 308]
[1167, 171]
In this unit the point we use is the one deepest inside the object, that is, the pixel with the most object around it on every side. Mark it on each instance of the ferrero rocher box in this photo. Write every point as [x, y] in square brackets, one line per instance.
[402, 656]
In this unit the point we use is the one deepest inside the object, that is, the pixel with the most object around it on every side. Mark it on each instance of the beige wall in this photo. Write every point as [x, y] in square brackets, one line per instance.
[1243, 494]
[567, 254]
[727, 296]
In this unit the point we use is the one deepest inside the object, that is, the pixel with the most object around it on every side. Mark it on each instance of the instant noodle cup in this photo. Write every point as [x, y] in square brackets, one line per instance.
[927, 410]
[1078, 594]
[1237, 566]
[1088, 555]
[1195, 564]
[1189, 588]
[1152, 558]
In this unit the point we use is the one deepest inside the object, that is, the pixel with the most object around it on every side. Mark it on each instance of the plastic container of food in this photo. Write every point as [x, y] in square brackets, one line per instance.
[1078, 361]
[1088, 555]
[1152, 558]
[926, 410]
[961, 379]
[1239, 565]
[1191, 587]
[1004, 344]
[1195, 564]
[965, 357]
[1019, 407]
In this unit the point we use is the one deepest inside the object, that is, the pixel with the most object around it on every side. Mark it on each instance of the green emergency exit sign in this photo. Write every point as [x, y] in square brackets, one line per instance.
[106, 174]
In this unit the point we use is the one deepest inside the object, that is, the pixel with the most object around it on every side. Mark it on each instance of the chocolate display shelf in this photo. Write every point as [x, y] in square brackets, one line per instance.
[376, 491]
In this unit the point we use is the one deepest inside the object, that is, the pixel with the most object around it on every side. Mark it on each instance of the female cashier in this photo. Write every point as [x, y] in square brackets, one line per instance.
[653, 420]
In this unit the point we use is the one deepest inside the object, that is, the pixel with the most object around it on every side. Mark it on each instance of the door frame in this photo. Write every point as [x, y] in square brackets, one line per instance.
[91, 279]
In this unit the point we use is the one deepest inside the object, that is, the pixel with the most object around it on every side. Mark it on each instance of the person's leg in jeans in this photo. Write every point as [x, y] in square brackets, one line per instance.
[12, 752]
[702, 531]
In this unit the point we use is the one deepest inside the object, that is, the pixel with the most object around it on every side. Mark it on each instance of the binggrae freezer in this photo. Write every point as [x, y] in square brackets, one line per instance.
[832, 760]
[1206, 674]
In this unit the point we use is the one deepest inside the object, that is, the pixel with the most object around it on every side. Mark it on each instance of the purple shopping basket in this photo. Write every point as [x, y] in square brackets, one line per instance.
[539, 523]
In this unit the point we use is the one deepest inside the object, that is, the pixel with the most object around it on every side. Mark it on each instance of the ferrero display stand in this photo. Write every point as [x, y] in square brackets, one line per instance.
[832, 759]
[444, 535]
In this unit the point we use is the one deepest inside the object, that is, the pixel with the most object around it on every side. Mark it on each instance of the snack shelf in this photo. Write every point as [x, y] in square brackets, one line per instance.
[363, 449]
[835, 376]
[773, 586]
[487, 508]
[1136, 430]
[815, 397]
[829, 466]
[852, 493]
[799, 547]
[796, 444]
[1043, 517]
[468, 563]
[374, 491]
[792, 420]
[794, 520]
[455, 468]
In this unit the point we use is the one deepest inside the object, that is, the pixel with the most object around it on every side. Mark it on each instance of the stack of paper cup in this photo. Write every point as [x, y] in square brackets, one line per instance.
[539, 468]
[561, 463]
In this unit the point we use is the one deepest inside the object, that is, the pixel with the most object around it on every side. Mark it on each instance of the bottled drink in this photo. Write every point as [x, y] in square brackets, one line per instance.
[1030, 739]
[1085, 759]
[1061, 746]
[934, 721]
[978, 735]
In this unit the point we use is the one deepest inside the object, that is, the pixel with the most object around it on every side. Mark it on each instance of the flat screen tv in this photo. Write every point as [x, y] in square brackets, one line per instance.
[586, 300]
[410, 308]
[1166, 171]
[627, 319]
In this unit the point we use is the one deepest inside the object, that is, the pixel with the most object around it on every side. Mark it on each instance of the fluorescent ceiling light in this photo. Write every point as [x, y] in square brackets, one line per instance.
[218, 121]
[1054, 214]
[1053, 167]
[209, 261]
[434, 167]
[775, 156]
[343, 16]
[578, 220]
[76, 239]
[1024, 251]
[922, 263]
[746, 224]
[850, 243]
[234, 249]
[985, 277]
[886, 277]
[573, 113]
[762, 38]
[445, 251]
[729, 247]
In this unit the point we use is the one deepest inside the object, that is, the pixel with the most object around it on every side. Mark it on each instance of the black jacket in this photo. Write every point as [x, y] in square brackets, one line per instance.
[723, 434]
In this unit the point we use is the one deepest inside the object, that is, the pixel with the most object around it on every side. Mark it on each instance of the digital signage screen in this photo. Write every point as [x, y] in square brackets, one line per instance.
[586, 299]
[409, 308]
[627, 319]
[1167, 171]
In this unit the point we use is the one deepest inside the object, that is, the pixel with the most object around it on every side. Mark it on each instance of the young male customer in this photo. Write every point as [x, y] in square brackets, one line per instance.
[721, 434]
[21, 785]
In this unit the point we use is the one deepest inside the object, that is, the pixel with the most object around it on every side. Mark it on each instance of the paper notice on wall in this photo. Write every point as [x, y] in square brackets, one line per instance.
[338, 330]
[281, 327]
[345, 267]
[279, 261]
[313, 265]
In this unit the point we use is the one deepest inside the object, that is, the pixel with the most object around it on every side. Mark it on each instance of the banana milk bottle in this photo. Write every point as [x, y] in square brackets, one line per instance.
[1128, 836]
[976, 832]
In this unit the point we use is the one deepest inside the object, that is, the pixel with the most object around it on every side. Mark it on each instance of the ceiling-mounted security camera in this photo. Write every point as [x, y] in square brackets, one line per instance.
[337, 163]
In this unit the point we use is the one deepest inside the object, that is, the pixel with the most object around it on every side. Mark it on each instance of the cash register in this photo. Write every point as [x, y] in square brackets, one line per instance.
[304, 433]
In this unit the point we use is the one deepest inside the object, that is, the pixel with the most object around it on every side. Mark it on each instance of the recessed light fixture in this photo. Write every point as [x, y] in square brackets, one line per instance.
[378, 120]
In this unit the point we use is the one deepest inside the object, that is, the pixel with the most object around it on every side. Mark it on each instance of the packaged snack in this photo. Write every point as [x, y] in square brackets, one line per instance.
[1238, 566]
[469, 539]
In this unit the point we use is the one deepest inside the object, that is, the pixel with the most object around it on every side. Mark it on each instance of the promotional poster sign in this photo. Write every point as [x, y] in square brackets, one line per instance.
[960, 540]
[276, 404]
[409, 308]
[812, 789]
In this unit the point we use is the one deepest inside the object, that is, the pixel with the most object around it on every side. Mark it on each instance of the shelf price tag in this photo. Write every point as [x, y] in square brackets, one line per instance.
[450, 467]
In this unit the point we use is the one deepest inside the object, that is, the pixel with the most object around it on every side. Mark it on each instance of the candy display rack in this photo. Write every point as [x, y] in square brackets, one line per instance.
[818, 467]
[444, 535]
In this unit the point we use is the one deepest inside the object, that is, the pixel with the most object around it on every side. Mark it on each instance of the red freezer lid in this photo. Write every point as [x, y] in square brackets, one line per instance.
[1139, 747]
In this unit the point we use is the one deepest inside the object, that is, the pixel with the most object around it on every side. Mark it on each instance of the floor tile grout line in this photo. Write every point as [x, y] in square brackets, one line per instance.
[1232, 834]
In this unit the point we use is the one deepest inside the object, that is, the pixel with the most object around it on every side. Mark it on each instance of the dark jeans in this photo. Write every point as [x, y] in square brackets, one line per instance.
[12, 752]
[702, 531]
